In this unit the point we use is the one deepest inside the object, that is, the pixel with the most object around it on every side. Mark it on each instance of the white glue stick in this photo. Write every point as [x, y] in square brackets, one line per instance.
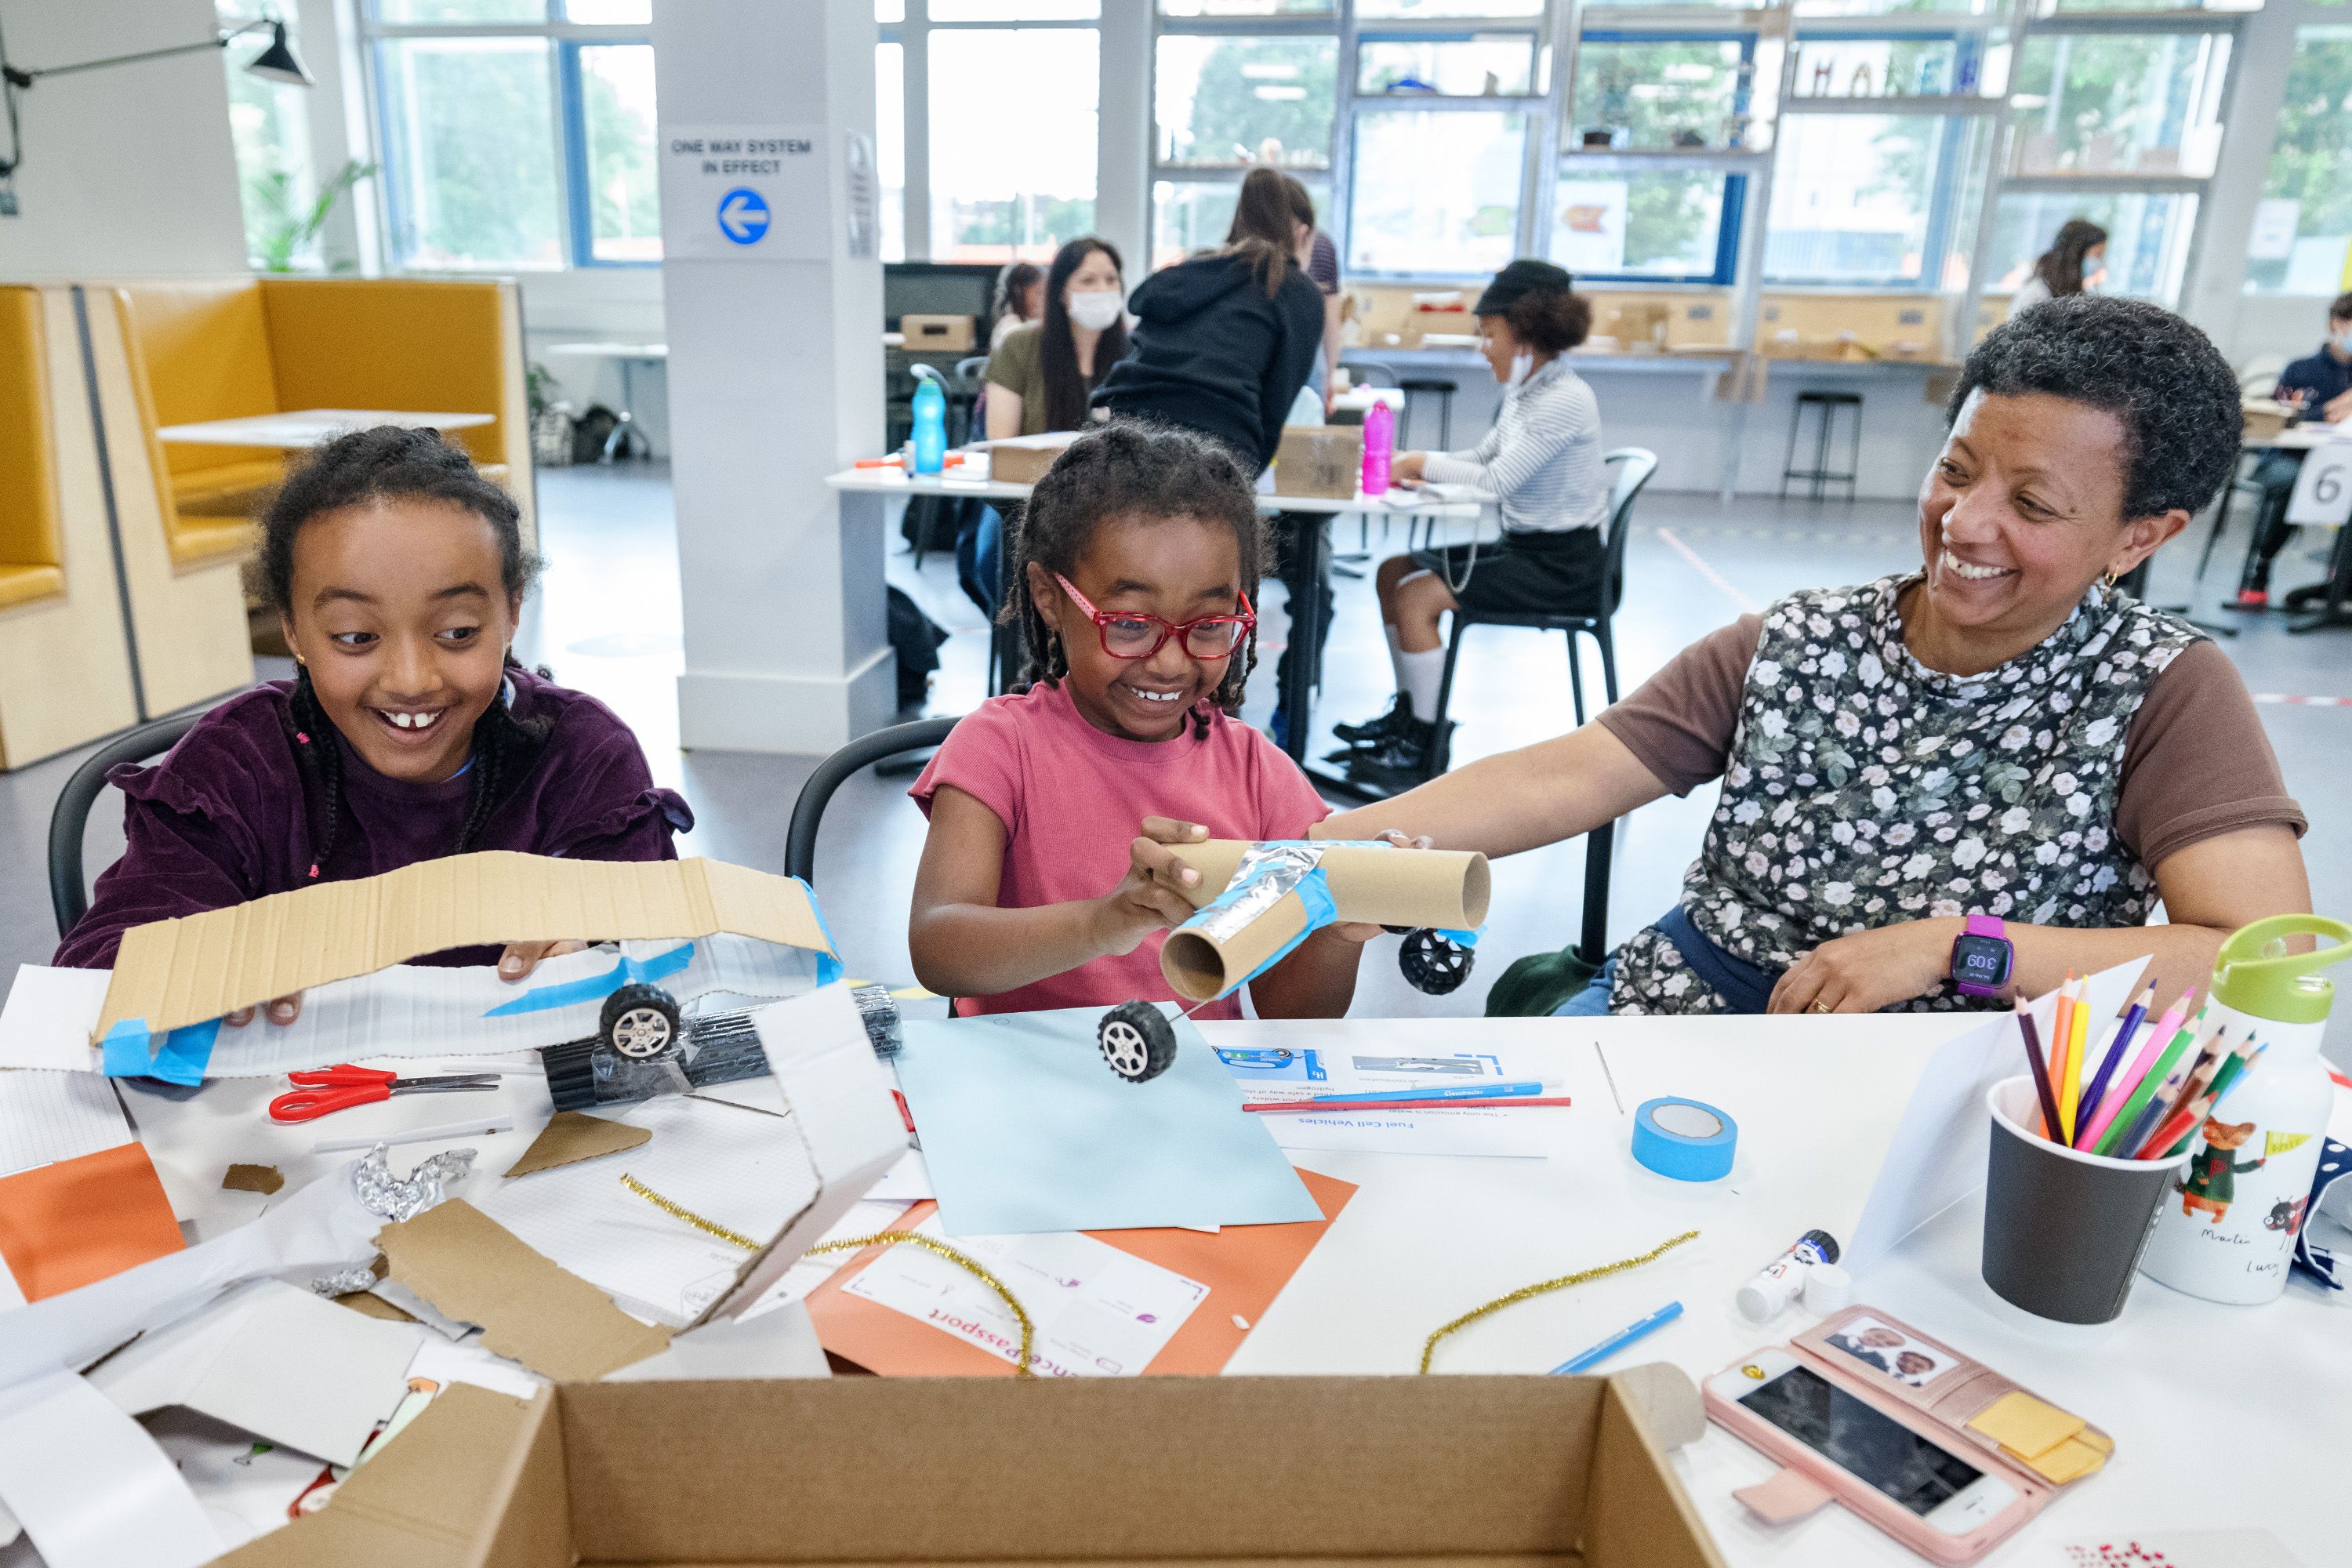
[1763, 1297]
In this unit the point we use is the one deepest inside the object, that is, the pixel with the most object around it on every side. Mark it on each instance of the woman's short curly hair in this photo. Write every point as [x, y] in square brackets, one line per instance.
[2174, 393]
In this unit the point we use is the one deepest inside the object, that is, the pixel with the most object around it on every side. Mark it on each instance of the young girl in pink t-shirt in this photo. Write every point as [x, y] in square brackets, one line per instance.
[1046, 881]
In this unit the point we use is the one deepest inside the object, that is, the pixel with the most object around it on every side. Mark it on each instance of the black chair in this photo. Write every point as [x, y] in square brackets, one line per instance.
[964, 389]
[1820, 475]
[69, 894]
[1443, 388]
[808, 811]
[1635, 465]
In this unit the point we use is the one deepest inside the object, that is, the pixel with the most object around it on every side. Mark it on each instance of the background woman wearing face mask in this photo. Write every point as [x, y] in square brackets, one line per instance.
[1995, 746]
[1543, 457]
[2077, 254]
[1040, 376]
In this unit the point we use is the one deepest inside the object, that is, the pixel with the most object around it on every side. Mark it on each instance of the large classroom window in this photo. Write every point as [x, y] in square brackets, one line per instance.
[1011, 166]
[1435, 192]
[516, 134]
[276, 185]
[2302, 239]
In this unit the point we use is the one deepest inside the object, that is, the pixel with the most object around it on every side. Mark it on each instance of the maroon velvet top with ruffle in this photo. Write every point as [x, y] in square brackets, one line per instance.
[226, 816]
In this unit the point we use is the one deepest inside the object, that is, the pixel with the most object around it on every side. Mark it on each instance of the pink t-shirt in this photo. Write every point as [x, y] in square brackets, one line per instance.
[1072, 799]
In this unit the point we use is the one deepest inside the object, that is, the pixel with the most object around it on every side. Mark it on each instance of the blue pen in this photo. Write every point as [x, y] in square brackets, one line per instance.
[1622, 1338]
[1445, 1091]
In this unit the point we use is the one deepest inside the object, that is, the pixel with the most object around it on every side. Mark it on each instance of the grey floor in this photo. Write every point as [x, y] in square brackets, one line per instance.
[606, 620]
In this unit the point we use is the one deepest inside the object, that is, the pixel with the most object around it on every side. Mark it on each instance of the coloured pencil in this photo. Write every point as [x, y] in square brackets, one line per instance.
[2144, 1093]
[2079, 1048]
[2088, 1111]
[2127, 1141]
[2065, 1079]
[2204, 1094]
[2175, 1098]
[2040, 1074]
[2119, 1089]
[2240, 1061]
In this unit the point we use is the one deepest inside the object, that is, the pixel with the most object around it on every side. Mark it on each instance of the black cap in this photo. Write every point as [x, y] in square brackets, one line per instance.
[1522, 278]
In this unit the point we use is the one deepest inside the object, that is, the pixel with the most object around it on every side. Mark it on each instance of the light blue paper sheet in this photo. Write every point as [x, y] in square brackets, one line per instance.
[1025, 1129]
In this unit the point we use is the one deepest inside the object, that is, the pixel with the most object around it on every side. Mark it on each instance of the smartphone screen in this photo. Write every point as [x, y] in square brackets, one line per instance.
[1899, 1462]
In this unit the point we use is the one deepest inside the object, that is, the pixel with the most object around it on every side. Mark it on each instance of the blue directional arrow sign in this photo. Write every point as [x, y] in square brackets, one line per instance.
[743, 215]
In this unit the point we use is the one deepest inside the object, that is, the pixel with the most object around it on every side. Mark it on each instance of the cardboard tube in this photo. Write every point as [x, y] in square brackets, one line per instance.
[1447, 888]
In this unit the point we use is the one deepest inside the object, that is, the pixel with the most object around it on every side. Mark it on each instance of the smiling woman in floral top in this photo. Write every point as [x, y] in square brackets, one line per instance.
[1998, 745]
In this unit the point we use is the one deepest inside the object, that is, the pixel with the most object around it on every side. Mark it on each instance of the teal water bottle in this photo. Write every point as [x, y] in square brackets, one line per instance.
[930, 421]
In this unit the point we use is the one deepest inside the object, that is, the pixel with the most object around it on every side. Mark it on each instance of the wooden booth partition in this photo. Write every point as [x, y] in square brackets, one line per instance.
[64, 671]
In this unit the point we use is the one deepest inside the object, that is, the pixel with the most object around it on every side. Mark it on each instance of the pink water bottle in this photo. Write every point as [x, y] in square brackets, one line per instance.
[1379, 442]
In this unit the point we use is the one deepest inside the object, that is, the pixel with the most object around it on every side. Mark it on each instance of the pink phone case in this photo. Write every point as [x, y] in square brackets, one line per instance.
[1937, 1401]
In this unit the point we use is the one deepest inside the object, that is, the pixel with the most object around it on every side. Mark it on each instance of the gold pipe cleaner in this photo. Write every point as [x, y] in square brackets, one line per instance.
[962, 1261]
[1429, 1347]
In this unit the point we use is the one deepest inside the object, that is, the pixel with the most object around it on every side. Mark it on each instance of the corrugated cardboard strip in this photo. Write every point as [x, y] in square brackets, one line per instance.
[573, 1136]
[172, 974]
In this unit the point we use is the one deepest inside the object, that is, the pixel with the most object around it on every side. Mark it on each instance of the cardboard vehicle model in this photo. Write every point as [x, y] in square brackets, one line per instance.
[1258, 901]
[668, 935]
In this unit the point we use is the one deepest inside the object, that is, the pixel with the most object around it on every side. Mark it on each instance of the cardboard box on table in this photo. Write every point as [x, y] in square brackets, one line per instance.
[938, 332]
[1566, 1471]
[1324, 460]
[1024, 460]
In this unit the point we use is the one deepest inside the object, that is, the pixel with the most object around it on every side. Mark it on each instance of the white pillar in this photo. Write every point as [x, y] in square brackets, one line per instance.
[775, 368]
[1122, 142]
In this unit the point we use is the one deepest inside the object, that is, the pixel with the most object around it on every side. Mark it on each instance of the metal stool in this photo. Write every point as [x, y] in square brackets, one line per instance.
[1443, 390]
[1820, 475]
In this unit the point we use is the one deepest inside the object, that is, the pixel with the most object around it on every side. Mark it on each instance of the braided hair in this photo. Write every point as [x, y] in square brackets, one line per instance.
[1133, 471]
[390, 463]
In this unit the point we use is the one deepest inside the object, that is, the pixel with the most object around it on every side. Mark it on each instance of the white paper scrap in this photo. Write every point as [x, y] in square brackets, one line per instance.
[47, 1116]
[48, 1016]
[90, 1487]
[275, 1359]
[1938, 1152]
[1098, 1312]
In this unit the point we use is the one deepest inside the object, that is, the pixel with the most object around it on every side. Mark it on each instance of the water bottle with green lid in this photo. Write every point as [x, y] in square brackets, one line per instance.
[2226, 1230]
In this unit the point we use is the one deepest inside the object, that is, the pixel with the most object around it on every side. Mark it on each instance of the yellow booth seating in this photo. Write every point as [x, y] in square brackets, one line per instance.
[64, 671]
[211, 348]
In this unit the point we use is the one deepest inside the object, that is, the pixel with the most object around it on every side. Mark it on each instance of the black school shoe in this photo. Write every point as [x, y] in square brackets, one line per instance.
[1374, 733]
[1417, 752]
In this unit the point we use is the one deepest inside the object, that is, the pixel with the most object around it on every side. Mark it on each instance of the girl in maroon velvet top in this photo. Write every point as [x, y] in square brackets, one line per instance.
[407, 732]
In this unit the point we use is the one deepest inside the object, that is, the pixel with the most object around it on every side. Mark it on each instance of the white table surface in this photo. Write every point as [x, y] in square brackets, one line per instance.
[609, 350]
[2302, 438]
[2254, 1405]
[301, 427]
[970, 478]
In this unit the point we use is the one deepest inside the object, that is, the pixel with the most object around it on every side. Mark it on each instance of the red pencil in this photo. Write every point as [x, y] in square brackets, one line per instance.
[1501, 1102]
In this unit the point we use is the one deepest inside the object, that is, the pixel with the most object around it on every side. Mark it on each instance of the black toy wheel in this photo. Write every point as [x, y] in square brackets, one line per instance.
[1434, 964]
[640, 1022]
[1137, 1040]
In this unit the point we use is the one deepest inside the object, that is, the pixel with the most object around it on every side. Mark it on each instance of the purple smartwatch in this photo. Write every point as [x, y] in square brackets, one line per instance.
[1982, 957]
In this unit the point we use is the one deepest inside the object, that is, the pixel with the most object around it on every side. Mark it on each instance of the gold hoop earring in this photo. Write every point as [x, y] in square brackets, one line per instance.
[2110, 580]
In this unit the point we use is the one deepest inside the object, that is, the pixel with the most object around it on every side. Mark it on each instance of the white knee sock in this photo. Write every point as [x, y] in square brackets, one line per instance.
[1396, 654]
[1417, 677]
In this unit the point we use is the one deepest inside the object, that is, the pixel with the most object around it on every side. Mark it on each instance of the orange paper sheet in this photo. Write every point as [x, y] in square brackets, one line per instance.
[1244, 1268]
[66, 1225]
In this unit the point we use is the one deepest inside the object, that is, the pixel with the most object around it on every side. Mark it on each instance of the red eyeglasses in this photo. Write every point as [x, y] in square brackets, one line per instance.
[1128, 635]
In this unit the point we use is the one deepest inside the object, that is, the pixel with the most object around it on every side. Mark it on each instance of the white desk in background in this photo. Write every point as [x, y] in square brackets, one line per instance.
[2223, 1416]
[866, 494]
[299, 428]
[628, 356]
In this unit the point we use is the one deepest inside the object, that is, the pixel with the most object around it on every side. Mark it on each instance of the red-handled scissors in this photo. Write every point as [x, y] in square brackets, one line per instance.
[328, 1089]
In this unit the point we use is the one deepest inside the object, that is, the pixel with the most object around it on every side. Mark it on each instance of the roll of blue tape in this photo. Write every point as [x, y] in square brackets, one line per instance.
[1683, 1139]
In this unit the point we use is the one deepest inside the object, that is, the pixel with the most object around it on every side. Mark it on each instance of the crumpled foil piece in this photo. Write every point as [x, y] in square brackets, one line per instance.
[1266, 874]
[404, 1198]
[347, 1282]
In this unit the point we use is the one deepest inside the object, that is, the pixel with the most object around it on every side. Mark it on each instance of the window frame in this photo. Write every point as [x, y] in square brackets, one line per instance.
[567, 102]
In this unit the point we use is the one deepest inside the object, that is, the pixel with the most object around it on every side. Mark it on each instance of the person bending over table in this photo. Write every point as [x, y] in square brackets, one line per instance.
[2320, 385]
[1544, 459]
[1997, 745]
[1039, 378]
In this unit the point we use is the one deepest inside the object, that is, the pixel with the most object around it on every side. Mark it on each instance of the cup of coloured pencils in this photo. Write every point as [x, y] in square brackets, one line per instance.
[2063, 1228]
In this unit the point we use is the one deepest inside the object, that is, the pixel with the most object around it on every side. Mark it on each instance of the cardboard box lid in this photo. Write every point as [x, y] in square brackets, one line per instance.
[1507, 1469]
[170, 973]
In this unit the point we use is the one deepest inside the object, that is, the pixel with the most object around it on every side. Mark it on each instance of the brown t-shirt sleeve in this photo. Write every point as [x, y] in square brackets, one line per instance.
[2197, 763]
[1679, 724]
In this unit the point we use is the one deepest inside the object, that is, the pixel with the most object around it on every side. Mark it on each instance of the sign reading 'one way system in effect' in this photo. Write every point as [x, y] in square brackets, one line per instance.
[745, 193]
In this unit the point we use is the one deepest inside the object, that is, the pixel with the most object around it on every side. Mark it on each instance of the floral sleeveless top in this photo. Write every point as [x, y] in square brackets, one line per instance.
[1862, 788]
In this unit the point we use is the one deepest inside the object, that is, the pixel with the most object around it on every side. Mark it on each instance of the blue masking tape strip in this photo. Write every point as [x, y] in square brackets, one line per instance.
[1316, 894]
[828, 965]
[569, 993]
[1696, 1146]
[1466, 937]
[186, 1053]
[125, 1051]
